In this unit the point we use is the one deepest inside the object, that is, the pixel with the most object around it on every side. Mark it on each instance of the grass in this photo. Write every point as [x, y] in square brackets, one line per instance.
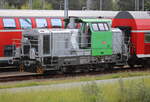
[73, 79]
[121, 91]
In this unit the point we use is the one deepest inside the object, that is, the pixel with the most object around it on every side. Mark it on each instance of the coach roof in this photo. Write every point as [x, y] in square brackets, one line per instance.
[56, 13]
[133, 15]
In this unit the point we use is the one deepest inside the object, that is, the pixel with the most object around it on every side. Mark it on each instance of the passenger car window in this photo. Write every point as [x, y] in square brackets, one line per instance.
[41, 23]
[25, 23]
[56, 23]
[9, 23]
[147, 37]
[8, 50]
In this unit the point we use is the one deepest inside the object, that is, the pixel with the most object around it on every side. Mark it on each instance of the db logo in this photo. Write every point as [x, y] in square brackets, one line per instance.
[104, 42]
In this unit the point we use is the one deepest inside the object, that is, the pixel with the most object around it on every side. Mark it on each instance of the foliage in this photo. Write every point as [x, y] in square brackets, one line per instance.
[75, 4]
[122, 91]
[147, 5]
[76, 79]
[134, 92]
[92, 93]
[126, 5]
[38, 4]
[108, 5]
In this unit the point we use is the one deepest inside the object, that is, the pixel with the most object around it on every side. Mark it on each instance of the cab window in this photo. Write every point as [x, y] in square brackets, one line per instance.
[41, 23]
[9, 23]
[100, 26]
[56, 23]
[25, 23]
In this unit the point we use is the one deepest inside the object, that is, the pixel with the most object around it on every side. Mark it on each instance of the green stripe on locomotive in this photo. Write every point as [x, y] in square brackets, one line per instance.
[101, 36]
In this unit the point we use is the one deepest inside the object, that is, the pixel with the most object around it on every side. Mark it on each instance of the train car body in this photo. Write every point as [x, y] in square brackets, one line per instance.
[67, 49]
[136, 26]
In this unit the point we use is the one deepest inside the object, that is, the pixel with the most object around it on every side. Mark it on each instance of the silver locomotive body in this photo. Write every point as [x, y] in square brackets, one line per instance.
[56, 49]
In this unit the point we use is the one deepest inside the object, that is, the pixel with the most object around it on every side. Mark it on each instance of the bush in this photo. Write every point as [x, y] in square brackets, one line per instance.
[134, 91]
[92, 93]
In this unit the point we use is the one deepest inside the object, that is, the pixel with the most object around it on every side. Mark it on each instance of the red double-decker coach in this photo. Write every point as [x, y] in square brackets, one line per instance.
[13, 22]
[136, 26]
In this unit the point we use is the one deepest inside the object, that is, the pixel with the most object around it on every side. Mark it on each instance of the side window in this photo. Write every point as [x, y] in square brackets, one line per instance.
[41, 23]
[25, 23]
[9, 23]
[8, 50]
[95, 27]
[147, 37]
[56, 23]
[100, 26]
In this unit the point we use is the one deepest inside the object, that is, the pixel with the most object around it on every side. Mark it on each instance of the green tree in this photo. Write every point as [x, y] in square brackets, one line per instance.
[14, 4]
[108, 5]
[38, 4]
[147, 5]
[75, 4]
[126, 5]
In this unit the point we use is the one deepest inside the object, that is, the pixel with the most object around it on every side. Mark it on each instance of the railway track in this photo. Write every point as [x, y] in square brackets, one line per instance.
[20, 76]
[8, 69]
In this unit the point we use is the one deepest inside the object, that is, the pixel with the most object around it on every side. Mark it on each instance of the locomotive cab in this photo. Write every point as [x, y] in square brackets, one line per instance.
[96, 34]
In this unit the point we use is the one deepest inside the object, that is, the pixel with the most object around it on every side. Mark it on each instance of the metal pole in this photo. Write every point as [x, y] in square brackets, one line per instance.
[88, 4]
[138, 5]
[2, 4]
[43, 6]
[143, 5]
[30, 4]
[101, 4]
[66, 8]
[135, 5]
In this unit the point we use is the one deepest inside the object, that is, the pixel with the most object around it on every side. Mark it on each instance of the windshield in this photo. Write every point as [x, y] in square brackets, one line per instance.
[100, 26]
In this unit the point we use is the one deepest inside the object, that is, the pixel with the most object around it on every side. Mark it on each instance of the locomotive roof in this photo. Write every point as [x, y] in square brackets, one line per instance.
[95, 20]
[36, 31]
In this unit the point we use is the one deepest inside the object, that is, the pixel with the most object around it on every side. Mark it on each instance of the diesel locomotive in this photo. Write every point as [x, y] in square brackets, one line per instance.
[95, 46]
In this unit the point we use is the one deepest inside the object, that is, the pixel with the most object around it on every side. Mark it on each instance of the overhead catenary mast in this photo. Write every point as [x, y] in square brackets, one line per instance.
[2, 4]
[137, 5]
[30, 4]
[66, 8]
[143, 5]
[101, 5]
[43, 4]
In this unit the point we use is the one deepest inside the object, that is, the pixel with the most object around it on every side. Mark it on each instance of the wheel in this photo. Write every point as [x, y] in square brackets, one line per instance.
[131, 63]
[21, 68]
[108, 66]
[39, 69]
[63, 70]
